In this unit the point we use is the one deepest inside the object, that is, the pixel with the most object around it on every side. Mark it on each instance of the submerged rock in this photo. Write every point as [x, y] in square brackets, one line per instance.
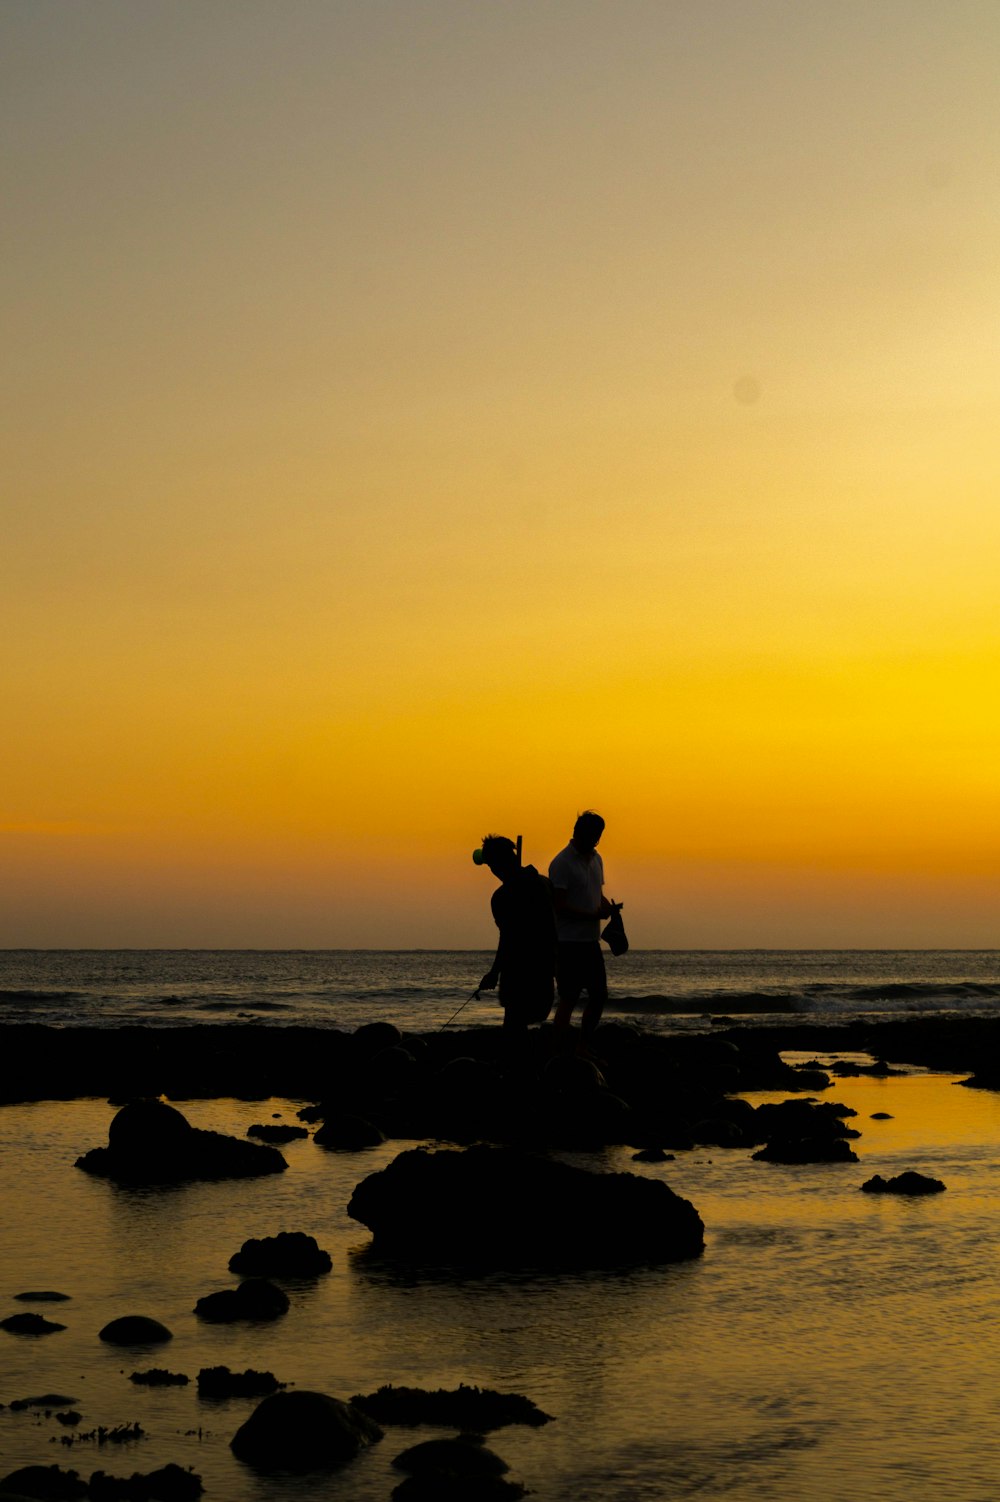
[499, 1206]
[48, 1482]
[150, 1142]
[290, 1254]
[135, 1330]
[347, 1133]
[46, 1296]
[48, 1400]
[904, 1183]
[168, 1484]
[303, 1431]
[460, 1408]
[806, 1150]
[265, 1132]
[157, 1376]
[220, 1382]
[467, 1455]
[437, 1487]
[800, 1131]
[30, 1324]
[462, 1469]
[256, 1299]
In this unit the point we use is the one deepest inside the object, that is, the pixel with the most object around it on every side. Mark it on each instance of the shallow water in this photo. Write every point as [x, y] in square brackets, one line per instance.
[828, 1345]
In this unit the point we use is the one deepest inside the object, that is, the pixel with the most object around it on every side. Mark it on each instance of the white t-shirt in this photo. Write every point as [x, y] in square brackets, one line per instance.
[582, 880]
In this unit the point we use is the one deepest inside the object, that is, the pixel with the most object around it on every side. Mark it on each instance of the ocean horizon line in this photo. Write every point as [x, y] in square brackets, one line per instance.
[481, 949]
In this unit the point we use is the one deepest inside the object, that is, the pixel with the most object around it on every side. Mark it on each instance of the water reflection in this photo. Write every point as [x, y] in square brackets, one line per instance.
[828, 1343]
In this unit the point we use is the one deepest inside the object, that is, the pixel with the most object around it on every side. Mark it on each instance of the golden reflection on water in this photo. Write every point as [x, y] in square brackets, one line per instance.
[830, 1344]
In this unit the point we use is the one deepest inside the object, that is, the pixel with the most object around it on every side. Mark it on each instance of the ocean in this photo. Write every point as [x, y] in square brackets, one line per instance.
[829, 1344]
[420, 990]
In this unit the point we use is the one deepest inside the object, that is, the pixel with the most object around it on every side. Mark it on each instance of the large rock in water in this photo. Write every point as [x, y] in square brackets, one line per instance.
[302, 1431]
[499, 1206]
[150, 1142]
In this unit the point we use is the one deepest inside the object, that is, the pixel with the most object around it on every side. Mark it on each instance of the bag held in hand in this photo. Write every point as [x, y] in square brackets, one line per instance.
[613, 933]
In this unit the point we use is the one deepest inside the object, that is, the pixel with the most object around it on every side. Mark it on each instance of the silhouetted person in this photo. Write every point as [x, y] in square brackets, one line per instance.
[524, 966]
[577, 877]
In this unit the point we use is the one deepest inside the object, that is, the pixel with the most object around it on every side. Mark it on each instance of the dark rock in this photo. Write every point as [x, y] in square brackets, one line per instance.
[372, 1037]
[389, 1071]
[256, 1299]
[503, 1206]
[904, 1183]
[848, 1069]
[804, 1118]
[158, 1377]
[806, 1150]
[880, 1116]
[46, 1296]
[717, 1131]
[150, 1142]
[264, 1132]
[70, 1418]
[652, 1155]
[441, 1488]
[346, 1132]
[800, 1131]
[290, 1254]
[986, 1077]
[48, 1482]
[220, 1382]
[135, 1330]
[168, 1484]
[465, 1456]
[303, 1431]
[49, 1400]
[459, 1408]
[30, 1324]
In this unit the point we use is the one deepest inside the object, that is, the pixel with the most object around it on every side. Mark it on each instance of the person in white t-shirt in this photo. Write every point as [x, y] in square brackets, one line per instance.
[577, 877]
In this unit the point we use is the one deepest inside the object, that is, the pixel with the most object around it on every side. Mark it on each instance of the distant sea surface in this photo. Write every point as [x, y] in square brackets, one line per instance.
[420, 990]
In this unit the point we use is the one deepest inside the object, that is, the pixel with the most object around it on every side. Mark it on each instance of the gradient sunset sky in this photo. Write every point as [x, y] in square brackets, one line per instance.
[426, 418]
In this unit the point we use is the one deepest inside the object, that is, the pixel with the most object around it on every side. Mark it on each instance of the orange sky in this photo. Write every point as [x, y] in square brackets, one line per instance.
[426, 420]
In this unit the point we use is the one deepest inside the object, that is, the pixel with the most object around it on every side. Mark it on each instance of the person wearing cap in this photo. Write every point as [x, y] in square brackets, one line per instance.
[524, 967]
[577, 877]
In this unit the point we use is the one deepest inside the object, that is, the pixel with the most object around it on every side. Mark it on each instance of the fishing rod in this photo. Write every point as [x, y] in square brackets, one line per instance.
[465, 1003]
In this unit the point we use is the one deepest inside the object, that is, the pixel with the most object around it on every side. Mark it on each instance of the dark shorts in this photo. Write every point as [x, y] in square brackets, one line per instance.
[580, 967]
[526, 997]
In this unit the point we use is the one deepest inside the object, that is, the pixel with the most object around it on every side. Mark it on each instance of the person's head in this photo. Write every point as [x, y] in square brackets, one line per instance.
[587, 831]
[500, 854]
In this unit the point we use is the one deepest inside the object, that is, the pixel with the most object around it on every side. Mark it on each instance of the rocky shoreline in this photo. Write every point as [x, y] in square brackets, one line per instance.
[254, 1062]
[654, 1092]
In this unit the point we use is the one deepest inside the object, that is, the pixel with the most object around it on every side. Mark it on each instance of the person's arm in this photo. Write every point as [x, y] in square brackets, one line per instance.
[491, 979]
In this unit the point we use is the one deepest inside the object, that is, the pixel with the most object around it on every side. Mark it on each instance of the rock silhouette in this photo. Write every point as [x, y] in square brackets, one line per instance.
[303, 1431]
[469, 1408]
[497, 1206]
[256, 1299]
[150, 1142]
[290, 1254]
[904, 1183]
[30, 1324]
[135, 1330]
